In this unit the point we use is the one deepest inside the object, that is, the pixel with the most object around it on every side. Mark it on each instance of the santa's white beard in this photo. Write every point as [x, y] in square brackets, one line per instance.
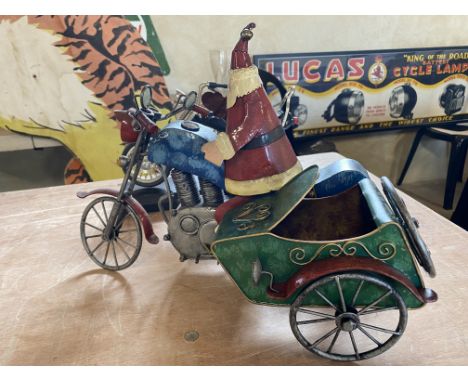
[242, 82]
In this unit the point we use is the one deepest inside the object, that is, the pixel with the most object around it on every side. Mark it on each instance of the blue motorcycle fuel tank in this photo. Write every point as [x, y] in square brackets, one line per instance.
[179, 144]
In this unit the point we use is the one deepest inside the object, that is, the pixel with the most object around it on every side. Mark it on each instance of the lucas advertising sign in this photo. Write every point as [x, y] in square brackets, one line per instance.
[359, 91]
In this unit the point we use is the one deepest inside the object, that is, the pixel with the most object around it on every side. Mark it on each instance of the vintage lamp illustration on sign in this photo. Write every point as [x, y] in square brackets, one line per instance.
[452, 99]
[346, 108]
[402, 102]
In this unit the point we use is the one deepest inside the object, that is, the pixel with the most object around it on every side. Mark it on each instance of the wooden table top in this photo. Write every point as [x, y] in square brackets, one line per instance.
[58, 308]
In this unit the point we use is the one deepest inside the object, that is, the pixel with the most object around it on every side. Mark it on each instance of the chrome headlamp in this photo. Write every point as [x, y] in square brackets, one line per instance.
[348, 107]
[402, 102]
[301, 113]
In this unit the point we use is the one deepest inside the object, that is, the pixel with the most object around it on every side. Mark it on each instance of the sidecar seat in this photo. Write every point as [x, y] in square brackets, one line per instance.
[338, 177]
[354, 212]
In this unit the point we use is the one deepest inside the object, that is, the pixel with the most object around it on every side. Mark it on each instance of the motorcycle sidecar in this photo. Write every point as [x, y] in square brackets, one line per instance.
[346, 263]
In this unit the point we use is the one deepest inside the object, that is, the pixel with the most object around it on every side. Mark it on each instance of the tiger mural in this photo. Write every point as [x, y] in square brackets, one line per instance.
[64, 76]
[75, 172]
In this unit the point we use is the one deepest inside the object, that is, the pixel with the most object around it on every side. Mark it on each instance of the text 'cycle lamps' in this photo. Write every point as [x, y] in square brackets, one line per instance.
[452, 99]
[346, 108]
[402, 102]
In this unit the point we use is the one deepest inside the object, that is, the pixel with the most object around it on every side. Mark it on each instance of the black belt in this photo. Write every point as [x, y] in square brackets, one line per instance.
[265, 139]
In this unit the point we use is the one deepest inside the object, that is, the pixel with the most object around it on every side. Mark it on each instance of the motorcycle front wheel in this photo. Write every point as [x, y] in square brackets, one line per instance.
[119, 248]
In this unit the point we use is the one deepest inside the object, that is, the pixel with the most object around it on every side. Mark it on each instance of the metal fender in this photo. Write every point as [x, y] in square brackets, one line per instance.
[150, 236]
[321, 268]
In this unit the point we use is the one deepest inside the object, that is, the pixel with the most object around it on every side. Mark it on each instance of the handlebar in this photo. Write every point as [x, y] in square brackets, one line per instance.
[286, 103]
[214, 85]
[147, 118]
[201, 110]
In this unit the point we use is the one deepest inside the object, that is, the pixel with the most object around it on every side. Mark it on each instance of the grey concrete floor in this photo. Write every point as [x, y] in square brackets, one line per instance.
[431, 194]
[25, 169]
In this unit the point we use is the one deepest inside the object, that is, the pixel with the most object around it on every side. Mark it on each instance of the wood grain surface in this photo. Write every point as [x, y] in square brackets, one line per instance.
[58, 308]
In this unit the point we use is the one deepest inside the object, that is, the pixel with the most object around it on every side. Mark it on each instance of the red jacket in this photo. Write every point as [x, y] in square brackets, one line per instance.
[251, 116]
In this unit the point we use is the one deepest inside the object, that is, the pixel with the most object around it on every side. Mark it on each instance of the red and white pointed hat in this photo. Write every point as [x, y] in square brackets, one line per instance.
[243, 77]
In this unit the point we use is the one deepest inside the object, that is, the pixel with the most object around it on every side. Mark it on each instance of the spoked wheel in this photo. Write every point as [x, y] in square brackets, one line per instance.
[150, 174]
[120, 248]
[354, 316]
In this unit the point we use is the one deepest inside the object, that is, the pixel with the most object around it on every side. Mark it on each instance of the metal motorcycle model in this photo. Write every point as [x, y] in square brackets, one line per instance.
[176, 150]
[328, 244]
[213, 114]
[150, 174]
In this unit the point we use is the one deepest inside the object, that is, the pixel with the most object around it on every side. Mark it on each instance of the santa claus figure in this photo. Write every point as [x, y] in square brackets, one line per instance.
[259, 157]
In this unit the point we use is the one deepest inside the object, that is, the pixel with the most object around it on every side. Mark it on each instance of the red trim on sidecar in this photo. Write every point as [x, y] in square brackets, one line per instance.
[321, 268]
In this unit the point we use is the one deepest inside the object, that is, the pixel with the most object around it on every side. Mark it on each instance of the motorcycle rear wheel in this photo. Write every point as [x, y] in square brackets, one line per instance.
[150, 174]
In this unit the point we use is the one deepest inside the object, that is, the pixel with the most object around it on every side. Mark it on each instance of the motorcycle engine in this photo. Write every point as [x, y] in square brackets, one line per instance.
[192, 228]
[192, 231]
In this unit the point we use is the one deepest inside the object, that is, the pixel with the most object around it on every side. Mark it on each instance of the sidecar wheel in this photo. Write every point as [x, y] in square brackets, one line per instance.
[122, 247]
[348, 317]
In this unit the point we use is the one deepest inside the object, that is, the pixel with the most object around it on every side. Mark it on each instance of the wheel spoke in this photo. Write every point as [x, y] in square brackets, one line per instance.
[122, 248]
[326, 300]
[99, 216]
[313, 312]
[95, 248]
[357, 293]
[105, 212]
[378, 310]
[369, 336]
[93, 226]
[92, 236]
[340, 291]
[333, 341]
[107, 251]
[324, 337]
[126, 242]
[375, 302]
[115, 255]
[351, 335]
[379, 329]
[314, 321]
[127, 230]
